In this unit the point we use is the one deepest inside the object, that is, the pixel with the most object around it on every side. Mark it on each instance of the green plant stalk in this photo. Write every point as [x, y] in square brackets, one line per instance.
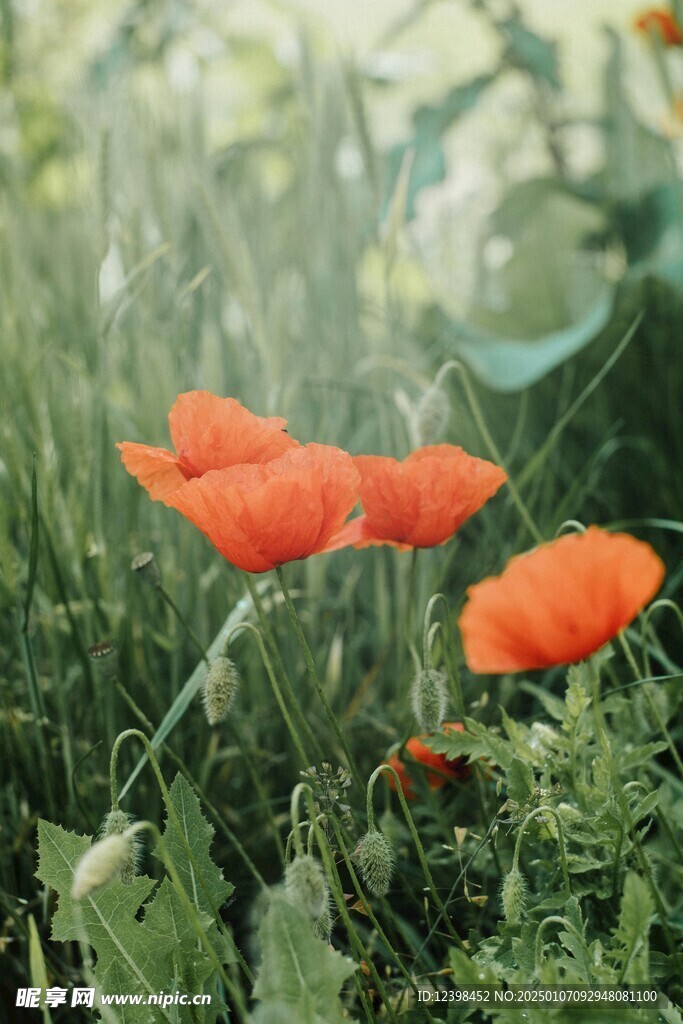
[420, 851]
[654, 710]
[538, 944]
[544, 809]
[313, 673]
[182, 620]
[338, 894]
[367, 907]
[626, 813]
[170, 809]
[178, 761]
[191, 911]
[454, 681]
[291, 696]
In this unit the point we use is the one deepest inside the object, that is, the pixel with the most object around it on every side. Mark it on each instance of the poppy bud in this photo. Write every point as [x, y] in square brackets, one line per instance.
[323, 926]
[513, 896]
[431, 415]
[428, 697]
[101, 864]
[105, 659]
[145, 567]
[116, 823]
[376, 861]
[219, 689]
[306, 887]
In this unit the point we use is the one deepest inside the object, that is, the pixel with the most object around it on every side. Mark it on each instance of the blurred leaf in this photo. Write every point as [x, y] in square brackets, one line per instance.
[300, 975]
[634, 927]
[542, 296]
[526, 49]
[429, 163]
[520, 781]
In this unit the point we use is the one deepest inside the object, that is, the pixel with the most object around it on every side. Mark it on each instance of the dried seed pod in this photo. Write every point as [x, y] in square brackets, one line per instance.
[145, 568]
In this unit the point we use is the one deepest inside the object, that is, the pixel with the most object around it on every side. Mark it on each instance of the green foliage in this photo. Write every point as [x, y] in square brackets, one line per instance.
[300, 977]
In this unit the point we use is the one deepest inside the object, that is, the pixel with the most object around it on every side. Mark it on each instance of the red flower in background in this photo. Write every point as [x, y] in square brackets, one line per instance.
[558, 603]
[208, 433]
[441, 768]
[662, 23]
[261, 516]
[420, 502]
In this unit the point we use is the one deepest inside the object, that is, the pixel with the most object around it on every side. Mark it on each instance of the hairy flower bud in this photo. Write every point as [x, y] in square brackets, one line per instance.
[145, 568]
[513, 896]
[101, 864]
[376, 861]
[428, 698]
[431, 415]
[306, 887]
[220, 690]
[116, 823]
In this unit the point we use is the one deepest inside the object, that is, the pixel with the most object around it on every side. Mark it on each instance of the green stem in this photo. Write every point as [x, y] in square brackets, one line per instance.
[455, 683]
[654, 710]
[313, 674]
[420, 851]
[543, 809]
[538, 945]
[182, 620]
[312, 741]
[178, 761]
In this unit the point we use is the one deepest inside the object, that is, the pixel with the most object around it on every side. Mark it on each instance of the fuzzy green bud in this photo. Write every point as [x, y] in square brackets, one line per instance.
[306, 887]
[376, 861]
[514, 893]
[101, 864]
[428, 698]
[220, 690]
[431, 415]
[115, 824]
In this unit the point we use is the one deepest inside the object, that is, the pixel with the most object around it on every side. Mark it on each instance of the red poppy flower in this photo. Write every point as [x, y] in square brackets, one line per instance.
[662, 23]
[558, 603]
[208, 433]
[261, 516]
[420, 502]
[442, 768]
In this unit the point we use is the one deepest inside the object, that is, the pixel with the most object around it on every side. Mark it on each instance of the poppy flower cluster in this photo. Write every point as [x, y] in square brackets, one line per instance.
[438, 769]
[263, 499]
[559, 603]
[661, 23]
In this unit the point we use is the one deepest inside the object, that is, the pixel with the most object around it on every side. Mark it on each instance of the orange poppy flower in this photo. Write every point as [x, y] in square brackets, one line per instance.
[662, 23]
[261, 516]
[558, 603]
[208, 433]
[420, 502]
[442, 768]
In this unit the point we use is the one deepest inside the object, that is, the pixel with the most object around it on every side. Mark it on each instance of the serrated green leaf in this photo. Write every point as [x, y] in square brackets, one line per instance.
[300, 976]
[520, 781]
[127, 954]
[207, 888]
[633, 929]
[477, 742]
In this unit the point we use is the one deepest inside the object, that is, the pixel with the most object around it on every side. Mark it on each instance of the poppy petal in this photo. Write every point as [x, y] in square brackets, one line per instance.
[209, 432]
[558, 603]
[157, 470]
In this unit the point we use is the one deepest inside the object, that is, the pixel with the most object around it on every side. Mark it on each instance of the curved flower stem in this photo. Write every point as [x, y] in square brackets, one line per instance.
[275, 651]
[366, 905]
[420, 851]
[544, 809]
[654, 710]
[173, 818]
[313, 673]
[454, 680]
[178, 761]
[338, 895]
[192, 914]
[454, 364]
